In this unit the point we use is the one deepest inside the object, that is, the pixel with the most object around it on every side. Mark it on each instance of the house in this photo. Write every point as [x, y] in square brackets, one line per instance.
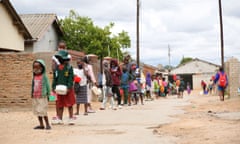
[13, 32]
[45, 30]
[194, 71]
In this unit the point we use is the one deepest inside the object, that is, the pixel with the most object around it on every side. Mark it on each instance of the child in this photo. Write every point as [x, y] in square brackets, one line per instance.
[115, 75]
[80, 88]
[125, 79]
[63, 76]
[107, 86]
[40, 93]
[55, 64]
[148, 86]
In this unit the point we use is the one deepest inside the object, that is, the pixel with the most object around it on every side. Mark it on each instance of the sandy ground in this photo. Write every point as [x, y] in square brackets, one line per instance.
[193, 119]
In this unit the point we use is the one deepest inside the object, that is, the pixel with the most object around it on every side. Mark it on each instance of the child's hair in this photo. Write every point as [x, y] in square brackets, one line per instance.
[124, 69]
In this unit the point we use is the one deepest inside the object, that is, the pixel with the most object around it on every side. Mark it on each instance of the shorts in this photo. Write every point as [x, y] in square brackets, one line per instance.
[221, 88]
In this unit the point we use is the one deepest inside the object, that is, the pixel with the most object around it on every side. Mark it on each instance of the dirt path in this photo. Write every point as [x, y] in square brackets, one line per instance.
[158, 121]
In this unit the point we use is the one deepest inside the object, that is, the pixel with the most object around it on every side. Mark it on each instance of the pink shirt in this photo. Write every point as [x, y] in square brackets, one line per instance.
[37, 89]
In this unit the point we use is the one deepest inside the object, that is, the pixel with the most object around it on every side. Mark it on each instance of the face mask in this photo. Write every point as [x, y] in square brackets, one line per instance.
[80, 66]
[37, 71]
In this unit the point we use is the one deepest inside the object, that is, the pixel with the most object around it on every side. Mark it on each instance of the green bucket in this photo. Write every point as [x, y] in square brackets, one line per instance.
[52, 98]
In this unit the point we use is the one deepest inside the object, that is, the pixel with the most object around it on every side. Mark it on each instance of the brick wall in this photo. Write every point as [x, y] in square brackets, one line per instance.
[16, 75]
[15, 79]
[232, 68]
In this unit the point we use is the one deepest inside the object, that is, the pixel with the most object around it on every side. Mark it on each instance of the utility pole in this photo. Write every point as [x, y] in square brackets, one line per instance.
[169, 56]
[138, 5]
[221, 32]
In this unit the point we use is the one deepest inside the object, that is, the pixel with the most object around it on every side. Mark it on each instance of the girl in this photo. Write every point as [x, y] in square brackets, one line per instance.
[63, 76]
[40, 93]
[80, 88]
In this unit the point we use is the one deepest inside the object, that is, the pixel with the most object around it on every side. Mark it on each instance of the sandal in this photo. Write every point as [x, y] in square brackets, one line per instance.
[48, 127]
[39, 127]
[85, 114]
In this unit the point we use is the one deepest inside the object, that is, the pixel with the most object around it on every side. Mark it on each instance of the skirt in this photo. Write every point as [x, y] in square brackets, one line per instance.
[81, 95]
[67, 100]
[40, 106]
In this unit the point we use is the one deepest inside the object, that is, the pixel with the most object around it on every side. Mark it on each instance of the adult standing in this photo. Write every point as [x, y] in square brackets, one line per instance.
[91, 81]
[222, 80]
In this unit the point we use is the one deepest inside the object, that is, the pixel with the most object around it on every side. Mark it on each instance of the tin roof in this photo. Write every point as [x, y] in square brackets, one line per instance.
[38, 24]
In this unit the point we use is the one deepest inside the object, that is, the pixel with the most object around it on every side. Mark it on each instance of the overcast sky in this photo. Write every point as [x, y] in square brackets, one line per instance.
[189, 27]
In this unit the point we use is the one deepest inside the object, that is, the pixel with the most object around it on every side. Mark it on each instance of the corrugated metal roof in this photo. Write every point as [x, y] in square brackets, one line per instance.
[38, 24]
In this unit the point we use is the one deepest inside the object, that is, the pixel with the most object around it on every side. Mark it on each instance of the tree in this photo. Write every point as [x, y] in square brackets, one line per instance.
[185, 60]
[82, 35]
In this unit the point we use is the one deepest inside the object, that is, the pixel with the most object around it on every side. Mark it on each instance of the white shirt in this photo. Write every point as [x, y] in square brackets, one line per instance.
[80, 73]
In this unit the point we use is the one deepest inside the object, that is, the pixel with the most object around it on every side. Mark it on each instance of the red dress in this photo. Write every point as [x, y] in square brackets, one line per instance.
[66, 100]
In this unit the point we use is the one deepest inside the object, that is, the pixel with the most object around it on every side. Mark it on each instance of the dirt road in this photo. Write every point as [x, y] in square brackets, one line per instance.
[158, 121]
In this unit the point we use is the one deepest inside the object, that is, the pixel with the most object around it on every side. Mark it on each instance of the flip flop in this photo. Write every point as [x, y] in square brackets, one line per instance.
[39, 127]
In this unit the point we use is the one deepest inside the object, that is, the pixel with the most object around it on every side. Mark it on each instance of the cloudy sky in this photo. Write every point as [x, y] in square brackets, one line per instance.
[189, 27]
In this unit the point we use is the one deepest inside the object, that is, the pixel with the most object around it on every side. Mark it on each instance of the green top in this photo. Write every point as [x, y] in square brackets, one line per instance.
[63, 76]
[45, 82]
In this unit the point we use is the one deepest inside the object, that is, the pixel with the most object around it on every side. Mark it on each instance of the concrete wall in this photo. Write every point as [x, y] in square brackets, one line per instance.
[10, 37]
[48, 42]
[232, 68]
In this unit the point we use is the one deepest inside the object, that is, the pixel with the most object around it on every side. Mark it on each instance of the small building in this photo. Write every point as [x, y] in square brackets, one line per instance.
[194, 71]
[13, 32]
[46, 32]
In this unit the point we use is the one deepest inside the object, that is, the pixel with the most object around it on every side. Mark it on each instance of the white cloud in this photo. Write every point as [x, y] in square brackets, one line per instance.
[190, 27]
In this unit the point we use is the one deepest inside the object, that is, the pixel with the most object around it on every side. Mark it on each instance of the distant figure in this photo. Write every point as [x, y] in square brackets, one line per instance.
[222, 80]
[210, 86]
[181, 88]
[148, 86]
[188, 88]
[204, 85]
[40, 93]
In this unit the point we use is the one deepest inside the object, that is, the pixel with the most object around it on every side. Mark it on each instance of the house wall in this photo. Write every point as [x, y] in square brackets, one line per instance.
[232, 68]
[195, 67]
[197, 78]
[48, 42]
[10, 38]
